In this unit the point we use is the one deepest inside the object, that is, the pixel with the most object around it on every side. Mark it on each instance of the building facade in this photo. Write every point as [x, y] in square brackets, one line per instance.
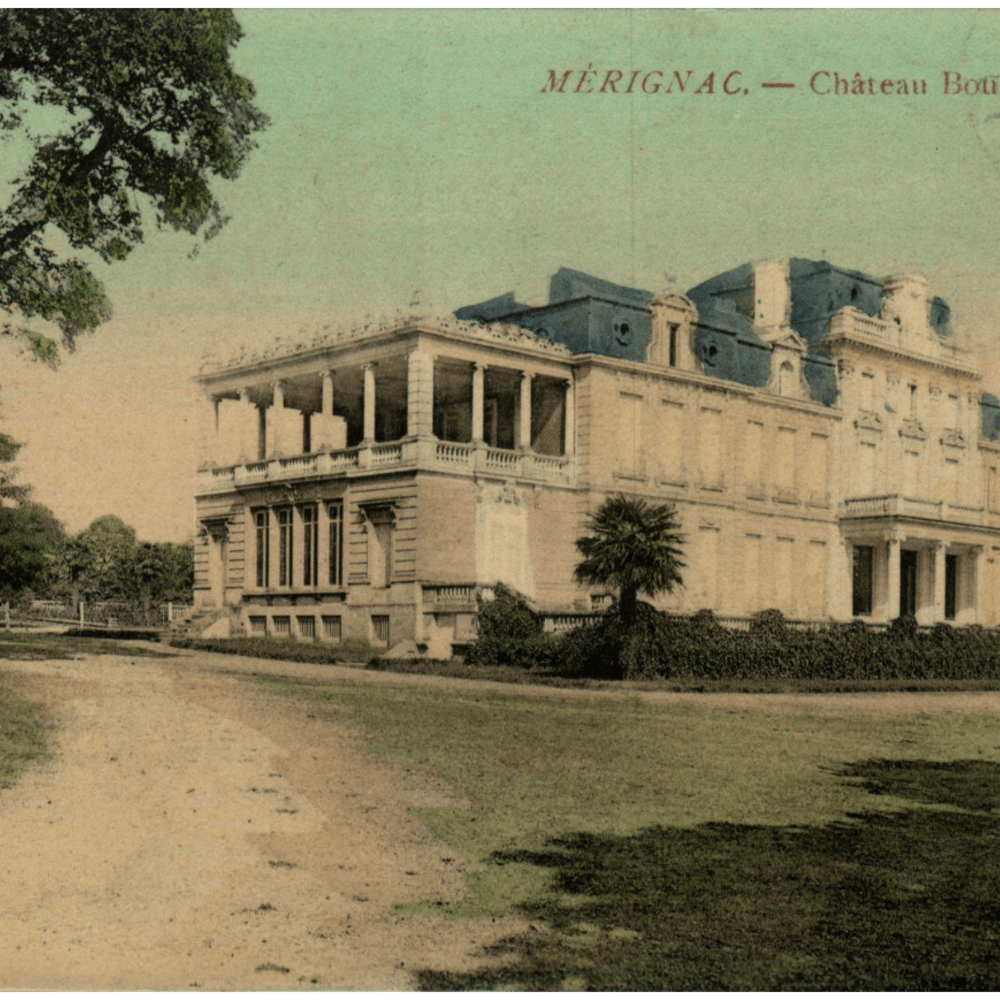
[830, 452]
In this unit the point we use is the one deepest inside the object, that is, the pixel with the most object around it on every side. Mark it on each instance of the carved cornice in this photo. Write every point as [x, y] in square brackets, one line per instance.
[912, 429]
[306, 339]
[953, 438]
[866, 420]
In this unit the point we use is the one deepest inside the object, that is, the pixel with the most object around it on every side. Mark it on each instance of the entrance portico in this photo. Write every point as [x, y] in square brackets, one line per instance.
[912, 571]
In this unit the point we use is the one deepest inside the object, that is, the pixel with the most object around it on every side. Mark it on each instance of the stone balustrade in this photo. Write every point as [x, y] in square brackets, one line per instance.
[409, 453]
[900, 506]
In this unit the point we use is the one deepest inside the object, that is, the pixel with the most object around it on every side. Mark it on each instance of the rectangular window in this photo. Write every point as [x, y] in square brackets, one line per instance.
[307, 626]
[950, 586]
[262, 530]
[862, 588]
[753, 457]
[710, 447]
[331, 627]
[310, 544]
[786, 464]
[282, 625]
[258, 625]
[674, 330]
[335, 511]
[285, 541]
[380, 629]
[670, 441]
[629, 441]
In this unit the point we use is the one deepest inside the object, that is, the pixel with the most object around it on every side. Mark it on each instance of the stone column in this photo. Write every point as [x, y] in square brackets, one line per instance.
[974, 604]
[478, 387]
[369, 397]
[939, 579]
[248, 428]
[419, 394]
[326, 406]
[273, 427]
[524, 433]
[210, 433]
[569, 418]
[892, 588]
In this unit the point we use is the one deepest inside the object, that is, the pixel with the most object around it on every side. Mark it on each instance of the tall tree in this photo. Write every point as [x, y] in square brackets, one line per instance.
[634, 546]
[30, 539]
[131, 116]
[10, 491]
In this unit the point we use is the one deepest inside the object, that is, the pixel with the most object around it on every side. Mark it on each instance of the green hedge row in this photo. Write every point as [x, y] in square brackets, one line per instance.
[699, 648]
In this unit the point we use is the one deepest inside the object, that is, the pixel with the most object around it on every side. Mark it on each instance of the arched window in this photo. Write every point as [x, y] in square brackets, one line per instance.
[786, 374]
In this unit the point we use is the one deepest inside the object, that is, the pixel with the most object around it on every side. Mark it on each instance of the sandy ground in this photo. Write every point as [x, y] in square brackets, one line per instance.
[192, 831]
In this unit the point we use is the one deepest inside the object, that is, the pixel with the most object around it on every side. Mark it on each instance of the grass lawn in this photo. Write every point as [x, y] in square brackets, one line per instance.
[692, 846]
[21, 738]
[53, 646]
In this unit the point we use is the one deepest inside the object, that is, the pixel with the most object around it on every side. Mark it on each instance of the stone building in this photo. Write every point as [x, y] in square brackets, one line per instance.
[830, 452]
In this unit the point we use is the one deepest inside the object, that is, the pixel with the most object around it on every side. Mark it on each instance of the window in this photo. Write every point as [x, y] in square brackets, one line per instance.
[331, 627]
[380, 629]
[282, 625]
[310, 544]
[263, 539]
[381, 521]
[335, 511]
[913, 402]
[629, 440]
[673, 330]
[258, 625]
[285, 541]
[307, 626]
[862, 589]
[950, 586]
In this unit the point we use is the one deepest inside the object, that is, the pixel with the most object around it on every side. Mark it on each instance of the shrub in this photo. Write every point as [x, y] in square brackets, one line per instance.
[509, 633]
[770, 622]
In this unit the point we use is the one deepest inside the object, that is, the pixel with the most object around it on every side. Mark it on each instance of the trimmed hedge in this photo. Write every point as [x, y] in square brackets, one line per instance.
[698, 648]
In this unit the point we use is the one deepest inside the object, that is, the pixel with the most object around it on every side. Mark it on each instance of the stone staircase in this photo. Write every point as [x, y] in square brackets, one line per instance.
[196, 623]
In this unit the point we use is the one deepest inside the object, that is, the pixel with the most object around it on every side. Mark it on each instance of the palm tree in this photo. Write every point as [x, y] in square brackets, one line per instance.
[634, 546]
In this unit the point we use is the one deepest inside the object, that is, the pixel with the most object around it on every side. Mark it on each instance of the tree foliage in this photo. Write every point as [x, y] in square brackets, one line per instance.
[30, 540]
[131, 116]
[10, 490]
[105, 562]
[635, 547]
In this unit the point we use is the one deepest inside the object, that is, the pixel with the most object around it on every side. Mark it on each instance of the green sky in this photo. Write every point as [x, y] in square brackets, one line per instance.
[414, 155]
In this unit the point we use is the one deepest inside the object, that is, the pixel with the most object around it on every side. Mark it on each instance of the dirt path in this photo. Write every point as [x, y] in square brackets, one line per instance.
[191, 831]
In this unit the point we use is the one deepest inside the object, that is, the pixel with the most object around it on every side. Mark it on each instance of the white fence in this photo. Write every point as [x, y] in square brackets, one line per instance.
[101, 614]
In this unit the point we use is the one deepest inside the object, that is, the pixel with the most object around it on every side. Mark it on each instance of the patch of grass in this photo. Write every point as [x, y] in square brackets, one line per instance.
[291, 650]
[21, 738]
[52, 646]
[536, 769]
[906, 901]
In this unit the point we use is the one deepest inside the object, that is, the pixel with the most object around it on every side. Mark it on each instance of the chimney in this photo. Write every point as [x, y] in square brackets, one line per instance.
[904, 301]
[772, 298]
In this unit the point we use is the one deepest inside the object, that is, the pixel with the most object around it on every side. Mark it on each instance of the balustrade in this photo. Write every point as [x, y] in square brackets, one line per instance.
[450, 454]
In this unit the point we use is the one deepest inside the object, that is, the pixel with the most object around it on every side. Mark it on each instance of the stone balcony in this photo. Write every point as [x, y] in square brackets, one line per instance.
[851, 324]
[900, 506]
[393, 456]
